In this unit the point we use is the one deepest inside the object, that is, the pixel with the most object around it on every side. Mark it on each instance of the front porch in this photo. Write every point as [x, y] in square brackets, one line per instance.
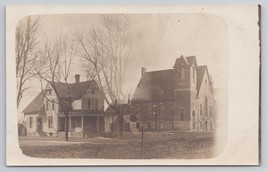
[82, 126]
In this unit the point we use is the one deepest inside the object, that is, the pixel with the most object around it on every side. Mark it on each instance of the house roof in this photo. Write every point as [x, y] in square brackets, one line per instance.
[191, 60]
[200, 74]
[35, 106]
[155, 86]
[70, 91]
[74, 90]
[159, 85]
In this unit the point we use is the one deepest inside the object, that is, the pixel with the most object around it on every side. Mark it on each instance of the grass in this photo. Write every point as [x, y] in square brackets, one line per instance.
[157, 145]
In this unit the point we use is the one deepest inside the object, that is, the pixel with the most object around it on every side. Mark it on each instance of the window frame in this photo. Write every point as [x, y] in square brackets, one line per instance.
[88, 102]
[53, 104]
[50, 122]
[30, 122]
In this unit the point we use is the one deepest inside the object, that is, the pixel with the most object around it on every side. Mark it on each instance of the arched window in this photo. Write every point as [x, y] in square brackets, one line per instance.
[182, 113]
[161, 110]
[194, 120]
[149, 111]
[182, 73]
[200, 109]
[206, 106]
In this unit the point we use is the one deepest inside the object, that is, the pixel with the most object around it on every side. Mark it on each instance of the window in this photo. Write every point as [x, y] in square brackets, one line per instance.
[62, 123]
[206, 106]
[53, 104]
[182, 74]
[182, 113]
[30, 122]
[96, 104]
[149, 110]
[50, 122]
[194, 120]
[47, 104]
[48, 91]
[88, 106]
[161, 110]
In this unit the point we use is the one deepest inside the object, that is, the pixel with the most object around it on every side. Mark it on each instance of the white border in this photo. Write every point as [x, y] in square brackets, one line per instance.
[242, 147]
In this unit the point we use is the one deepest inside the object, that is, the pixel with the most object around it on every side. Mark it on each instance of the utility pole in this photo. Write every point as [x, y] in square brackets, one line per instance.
[142, 140]
[155, 115]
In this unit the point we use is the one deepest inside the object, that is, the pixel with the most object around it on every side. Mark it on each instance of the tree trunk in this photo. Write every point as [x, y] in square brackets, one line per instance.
[66, 127]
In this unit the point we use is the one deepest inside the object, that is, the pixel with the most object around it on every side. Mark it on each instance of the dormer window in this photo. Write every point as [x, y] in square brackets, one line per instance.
[48, 91]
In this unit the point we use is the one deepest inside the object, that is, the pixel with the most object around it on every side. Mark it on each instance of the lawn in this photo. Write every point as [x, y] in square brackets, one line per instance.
[157, 145]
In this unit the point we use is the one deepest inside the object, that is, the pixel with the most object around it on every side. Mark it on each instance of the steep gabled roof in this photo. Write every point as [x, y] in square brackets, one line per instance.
[191, 60]
[200, 74]
[70, 91]
[74, 90]
[155, 86]
[35, 106]
[160, 85]
[177, 61]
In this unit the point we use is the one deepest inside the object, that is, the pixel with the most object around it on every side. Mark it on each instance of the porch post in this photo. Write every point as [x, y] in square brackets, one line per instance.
[97, 124]
[82, 127]
[70, 129]
[82, 124]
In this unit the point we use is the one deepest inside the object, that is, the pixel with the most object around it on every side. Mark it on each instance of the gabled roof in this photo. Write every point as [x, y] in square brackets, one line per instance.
[177, 61]
[191, 60]
[35, 106]
[74, 90]
[200, 74]
[66, 91]
[155, 86]
[160, 85]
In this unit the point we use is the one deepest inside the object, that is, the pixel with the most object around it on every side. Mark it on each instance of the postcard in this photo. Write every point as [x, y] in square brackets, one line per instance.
[132, 85]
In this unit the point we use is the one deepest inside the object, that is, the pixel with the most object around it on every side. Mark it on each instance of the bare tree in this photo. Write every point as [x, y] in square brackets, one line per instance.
[108, 48]
[26, 41]
[56, 61]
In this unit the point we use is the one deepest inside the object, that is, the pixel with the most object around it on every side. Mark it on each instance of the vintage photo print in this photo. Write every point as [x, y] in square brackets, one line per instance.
[133, 85]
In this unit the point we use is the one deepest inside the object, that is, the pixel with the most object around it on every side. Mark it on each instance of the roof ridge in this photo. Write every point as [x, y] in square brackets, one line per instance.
[160, 70]
[75, 82]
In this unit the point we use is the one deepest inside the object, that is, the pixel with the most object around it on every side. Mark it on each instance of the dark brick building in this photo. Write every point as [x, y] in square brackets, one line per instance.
[181, 98]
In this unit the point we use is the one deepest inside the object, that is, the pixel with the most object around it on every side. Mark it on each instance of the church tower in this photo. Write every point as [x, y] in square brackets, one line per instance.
[185, 91]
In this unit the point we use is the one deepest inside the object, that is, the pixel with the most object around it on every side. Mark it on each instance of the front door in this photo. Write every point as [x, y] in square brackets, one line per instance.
[39, 124]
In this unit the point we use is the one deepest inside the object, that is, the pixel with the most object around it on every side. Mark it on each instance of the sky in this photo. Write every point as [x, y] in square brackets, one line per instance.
[159, 40]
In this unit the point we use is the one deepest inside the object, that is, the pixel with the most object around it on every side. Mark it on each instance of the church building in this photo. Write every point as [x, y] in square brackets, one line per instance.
[181, 98]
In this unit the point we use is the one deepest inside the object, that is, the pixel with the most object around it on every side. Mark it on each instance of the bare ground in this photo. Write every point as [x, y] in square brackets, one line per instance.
[157, 145]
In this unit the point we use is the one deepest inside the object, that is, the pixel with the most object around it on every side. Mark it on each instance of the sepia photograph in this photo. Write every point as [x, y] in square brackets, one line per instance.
[124, 86]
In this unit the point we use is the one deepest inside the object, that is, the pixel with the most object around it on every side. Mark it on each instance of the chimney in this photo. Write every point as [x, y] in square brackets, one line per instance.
[143, 70]
[77, 78]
